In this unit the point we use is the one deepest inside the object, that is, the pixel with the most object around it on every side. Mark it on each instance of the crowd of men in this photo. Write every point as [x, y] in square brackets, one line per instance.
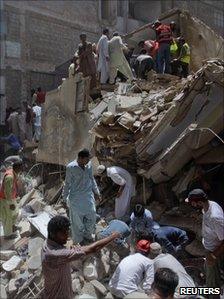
[24, 122]
[111, 58]
[149, 253]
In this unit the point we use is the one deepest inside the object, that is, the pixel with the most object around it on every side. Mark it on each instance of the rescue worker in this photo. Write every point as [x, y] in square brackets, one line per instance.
[163, 36]
[8, 196]
[184, 57]
[143, 64]
[122, 178]
[174, 53]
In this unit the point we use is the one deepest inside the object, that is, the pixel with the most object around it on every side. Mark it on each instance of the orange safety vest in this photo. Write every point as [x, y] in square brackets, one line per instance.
[15, 187]
[164, 33]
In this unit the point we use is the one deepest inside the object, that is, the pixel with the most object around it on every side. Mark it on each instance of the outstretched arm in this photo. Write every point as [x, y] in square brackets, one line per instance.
[100, 244]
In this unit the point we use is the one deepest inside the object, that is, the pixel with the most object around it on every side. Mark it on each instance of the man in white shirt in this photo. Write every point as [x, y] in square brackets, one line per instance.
[103, 56]
[121, 177]
[166, 260]
[118, 61]
[134, 272]
[213, 236]
[37, 121]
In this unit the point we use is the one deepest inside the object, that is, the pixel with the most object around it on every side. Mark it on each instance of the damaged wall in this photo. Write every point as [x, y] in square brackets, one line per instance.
[65, 122]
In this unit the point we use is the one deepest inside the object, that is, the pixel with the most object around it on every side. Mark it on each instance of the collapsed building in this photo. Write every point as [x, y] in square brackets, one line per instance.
[166, 131]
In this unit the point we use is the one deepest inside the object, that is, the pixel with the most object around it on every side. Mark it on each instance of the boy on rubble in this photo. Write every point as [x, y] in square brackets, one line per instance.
[56, 258]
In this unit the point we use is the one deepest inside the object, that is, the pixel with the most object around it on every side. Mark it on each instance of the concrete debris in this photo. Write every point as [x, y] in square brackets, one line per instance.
[89, 269]
[12, 264]
[25, 228]
[99, 287]
[12, 287]
[35, 245]
[3, 294]
[34, 262]
[76, 286]
[26, 198]
[40, 222]
[7, 254]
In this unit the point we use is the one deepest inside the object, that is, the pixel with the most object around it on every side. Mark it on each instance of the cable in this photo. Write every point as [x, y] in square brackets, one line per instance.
[210, 130]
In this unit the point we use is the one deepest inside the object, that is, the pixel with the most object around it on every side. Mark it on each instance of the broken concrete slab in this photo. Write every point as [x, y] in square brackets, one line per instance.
[99, 287]
[36, 204]
[6, 254]
[26, 198]
[12, 287]
[3, 294]
[12, 264]
[76, 286]
[90, 269]
[35, 245]
[25, 228]
[40, 222]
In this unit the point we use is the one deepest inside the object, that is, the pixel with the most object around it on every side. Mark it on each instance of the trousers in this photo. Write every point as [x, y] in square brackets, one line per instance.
[7, 216]
[82, 224]
[213, 275]
[164, 58]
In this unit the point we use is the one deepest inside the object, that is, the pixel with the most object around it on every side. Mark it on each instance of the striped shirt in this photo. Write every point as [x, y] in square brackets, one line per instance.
[57, 270]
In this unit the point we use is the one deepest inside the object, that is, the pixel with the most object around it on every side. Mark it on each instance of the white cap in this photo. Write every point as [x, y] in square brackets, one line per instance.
[155, 248]
[100, 169]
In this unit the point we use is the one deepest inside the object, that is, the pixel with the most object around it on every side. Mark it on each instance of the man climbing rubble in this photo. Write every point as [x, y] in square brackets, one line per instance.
[166, 260]
[80, 187]
[213, 236]
[121, 177]
[132, 272]
[8, 197]
[56, 258]
[118, 61]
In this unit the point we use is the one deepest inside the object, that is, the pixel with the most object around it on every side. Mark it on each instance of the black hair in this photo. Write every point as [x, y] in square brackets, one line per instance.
[82, 34]
[165, 281]
[115, 34]
[84, 153]
[39, 89]
[105, 30]
[139, 210]
[141, 42]
[143, 51]
[17, 165]
[57, 224]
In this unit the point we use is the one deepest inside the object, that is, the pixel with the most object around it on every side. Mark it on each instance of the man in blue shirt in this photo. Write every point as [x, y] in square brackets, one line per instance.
[142, 226]
[142, 223]
[80, 188]
[119, 245]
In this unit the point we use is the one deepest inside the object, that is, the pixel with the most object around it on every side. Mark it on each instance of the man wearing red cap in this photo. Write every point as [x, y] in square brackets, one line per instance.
[213, 236]
[132, 272]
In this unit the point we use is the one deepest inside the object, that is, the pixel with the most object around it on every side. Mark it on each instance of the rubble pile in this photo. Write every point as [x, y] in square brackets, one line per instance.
[131, 116]
[166, 129]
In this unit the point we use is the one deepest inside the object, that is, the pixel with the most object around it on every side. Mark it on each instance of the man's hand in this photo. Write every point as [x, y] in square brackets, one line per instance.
[115, 235]
[210, 260]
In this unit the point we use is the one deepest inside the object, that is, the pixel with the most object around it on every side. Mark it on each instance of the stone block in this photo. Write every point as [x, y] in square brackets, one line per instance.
[12, 288]
[12, 264]
[7, 254]
[99, 287]
[76, 286]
